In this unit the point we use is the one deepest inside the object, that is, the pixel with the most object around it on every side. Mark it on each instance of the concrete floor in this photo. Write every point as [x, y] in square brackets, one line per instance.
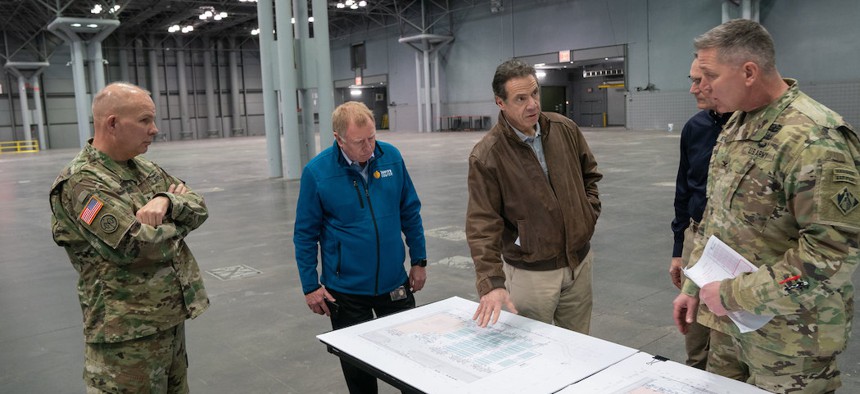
[259, 336]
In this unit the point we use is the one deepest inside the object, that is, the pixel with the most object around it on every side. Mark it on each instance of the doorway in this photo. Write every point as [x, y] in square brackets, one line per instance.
[553, 99]
[586, 85]
[373, 92]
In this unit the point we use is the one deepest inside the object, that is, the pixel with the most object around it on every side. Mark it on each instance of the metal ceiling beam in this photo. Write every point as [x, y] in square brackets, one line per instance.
[149, 12]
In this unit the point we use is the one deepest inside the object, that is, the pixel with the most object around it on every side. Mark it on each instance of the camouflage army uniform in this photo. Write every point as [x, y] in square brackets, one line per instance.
[783, 191]
[137, 282]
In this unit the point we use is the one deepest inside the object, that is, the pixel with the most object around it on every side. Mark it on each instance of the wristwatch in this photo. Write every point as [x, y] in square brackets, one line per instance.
[420, 263]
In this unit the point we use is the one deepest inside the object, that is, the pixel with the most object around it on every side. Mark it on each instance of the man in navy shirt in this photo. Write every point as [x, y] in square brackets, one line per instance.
[697, 142]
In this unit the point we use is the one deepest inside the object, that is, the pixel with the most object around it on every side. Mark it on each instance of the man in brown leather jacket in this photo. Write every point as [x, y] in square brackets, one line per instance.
[533, 204]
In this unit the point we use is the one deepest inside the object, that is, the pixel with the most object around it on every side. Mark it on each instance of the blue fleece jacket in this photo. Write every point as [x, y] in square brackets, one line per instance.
[357, 224]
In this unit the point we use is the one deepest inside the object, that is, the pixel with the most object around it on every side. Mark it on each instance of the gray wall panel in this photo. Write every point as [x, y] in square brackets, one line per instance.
[63, 136]
[655, 110]
[256, 125]
[813, 39]
[843, 98]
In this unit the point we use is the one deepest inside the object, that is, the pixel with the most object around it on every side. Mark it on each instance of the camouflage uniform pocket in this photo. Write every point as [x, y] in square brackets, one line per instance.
[753, 194]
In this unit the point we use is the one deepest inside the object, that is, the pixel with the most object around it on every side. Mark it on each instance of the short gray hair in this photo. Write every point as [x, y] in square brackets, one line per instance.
[738, 41]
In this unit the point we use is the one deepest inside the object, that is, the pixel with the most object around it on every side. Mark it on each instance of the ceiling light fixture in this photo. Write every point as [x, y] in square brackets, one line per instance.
[205, 14]
[351, 4]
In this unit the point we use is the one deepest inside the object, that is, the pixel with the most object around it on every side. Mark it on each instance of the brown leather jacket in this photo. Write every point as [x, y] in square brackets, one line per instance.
[510, 198]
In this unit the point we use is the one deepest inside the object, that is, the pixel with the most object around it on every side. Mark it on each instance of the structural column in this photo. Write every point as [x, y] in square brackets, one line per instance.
[288, 81]
[154, 87]
[40, 119]
[79, 80]
[123, 60]
[427, 90]
[184, 129]
[308, 146]
[65, 29]
[97, 65]
[235, 98]
[270, 100]
[25, 107]
[430, 46]
[437, 101]
[24, 71]
[325, 87]
[418, 92]
[211, 114]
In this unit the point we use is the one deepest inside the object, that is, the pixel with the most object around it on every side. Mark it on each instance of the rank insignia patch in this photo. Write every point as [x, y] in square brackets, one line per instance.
[845, 201]
[842, 175]
[94, 205]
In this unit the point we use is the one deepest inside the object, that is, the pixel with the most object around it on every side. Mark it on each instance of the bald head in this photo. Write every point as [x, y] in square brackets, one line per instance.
[124, 121]
[117, 98]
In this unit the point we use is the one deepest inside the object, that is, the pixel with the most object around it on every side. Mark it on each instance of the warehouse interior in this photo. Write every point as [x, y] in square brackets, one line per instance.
[240, 111]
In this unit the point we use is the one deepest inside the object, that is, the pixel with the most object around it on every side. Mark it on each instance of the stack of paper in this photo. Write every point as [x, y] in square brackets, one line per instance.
[719, 261]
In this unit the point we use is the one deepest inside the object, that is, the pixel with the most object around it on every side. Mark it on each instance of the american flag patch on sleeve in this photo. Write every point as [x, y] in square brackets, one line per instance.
[94, 205]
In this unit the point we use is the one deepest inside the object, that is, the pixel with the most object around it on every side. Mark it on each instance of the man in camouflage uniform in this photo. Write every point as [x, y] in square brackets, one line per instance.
[122, 220]
[783, 191]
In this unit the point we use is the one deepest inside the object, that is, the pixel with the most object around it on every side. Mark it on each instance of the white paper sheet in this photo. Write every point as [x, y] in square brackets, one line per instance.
[437, 348]
[643, 374]
[719, 261]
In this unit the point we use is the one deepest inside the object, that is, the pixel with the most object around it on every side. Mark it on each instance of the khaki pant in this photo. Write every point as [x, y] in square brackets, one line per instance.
[153, 364]
[771, 371]
[559, 297]
[697, 337]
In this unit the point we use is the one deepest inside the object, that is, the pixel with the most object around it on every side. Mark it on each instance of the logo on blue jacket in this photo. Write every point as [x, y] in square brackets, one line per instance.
[382, 174]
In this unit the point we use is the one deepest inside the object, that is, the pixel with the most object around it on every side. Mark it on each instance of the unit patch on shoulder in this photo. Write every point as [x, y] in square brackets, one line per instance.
[108, 223]
[845, 201]
[94, 205]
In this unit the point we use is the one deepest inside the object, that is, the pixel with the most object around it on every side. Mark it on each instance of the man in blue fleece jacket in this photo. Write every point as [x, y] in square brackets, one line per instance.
[356, 199]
